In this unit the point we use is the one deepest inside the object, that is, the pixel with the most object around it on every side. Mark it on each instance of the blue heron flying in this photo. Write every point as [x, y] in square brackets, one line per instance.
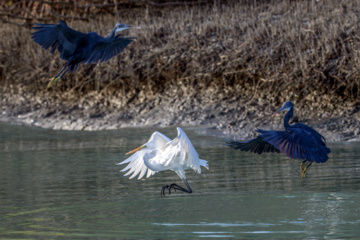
[77, 47]
[298, 141]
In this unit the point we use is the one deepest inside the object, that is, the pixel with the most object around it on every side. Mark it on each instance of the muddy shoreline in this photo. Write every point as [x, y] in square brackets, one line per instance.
[224, 117]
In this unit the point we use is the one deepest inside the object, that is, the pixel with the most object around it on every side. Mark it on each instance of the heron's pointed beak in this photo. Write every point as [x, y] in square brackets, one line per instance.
[281, 109]
[274, 113]
[135, 150]
[124, 28]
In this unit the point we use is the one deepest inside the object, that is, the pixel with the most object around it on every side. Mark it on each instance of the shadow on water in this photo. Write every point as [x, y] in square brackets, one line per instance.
[66, 184]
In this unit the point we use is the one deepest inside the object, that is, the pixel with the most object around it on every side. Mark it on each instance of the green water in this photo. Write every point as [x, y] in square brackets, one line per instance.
[65, 185]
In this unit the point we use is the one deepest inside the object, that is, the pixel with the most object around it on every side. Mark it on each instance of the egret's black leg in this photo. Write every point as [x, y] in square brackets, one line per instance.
[303, 169]
[176, 187]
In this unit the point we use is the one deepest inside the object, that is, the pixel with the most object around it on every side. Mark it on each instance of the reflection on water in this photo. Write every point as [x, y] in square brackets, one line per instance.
[66, 184]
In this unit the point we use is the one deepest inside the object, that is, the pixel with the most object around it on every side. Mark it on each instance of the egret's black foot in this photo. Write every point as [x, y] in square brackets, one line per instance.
[168, 187]
[53, 81]
[172, 186]
[163, 190]
[175, 187]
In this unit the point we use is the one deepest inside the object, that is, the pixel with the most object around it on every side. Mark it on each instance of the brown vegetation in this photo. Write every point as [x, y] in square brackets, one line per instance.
[233, 56]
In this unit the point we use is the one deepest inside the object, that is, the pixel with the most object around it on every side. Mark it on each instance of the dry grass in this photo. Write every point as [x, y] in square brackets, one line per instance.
[307, 51]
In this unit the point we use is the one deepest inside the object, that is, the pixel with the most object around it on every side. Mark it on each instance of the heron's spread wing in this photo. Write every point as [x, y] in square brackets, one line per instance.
[298, 142]
[108, 48]
[257, 145]
[57, 36]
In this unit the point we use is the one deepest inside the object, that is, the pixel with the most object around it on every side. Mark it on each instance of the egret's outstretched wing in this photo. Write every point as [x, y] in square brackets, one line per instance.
[57, 36]
[298, 143]
[136, 165]
[136, 162]
[179, 151]
[108, 48]
[257, 145]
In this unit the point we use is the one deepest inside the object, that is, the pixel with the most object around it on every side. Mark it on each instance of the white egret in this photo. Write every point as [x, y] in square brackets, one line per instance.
[161, 153]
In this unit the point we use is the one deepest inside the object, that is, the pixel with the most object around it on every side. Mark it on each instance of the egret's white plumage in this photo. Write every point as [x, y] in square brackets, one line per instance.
[161, 153]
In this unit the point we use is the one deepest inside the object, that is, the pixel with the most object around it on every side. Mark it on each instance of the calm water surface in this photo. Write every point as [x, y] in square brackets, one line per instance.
[57, 184]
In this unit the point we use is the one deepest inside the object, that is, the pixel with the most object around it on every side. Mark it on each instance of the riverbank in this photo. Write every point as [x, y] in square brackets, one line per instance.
[226, 66]
[227, 116]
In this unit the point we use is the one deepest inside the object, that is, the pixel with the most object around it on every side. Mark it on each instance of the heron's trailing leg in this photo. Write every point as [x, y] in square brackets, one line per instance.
[54, 80]
[176, 187]
[304, 168]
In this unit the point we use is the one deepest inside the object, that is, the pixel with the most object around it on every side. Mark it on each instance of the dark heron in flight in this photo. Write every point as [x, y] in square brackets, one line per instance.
[298, 141]
[77, 47]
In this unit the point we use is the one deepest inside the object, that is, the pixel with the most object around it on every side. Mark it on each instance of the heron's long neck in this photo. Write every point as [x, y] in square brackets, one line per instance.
[287, 117]
[112, 33]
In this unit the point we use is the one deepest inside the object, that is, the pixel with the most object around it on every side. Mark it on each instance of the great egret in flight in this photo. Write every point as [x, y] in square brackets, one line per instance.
[161, 153]
[298, 141]
[77, 47]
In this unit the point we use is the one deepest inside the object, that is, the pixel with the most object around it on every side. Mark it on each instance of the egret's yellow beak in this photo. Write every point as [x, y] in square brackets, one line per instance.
[136, 149]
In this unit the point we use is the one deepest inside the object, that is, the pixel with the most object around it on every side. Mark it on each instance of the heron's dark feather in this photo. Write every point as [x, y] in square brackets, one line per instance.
[257, 145]
[77, 47]
[297, 141]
